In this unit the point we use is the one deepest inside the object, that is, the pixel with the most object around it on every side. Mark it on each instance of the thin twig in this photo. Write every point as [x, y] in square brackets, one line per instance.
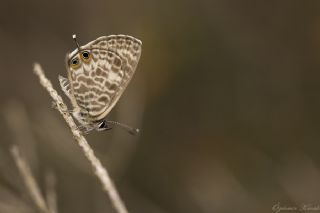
[51, 195]
[18, 121]
[29, 180]
[99, 170]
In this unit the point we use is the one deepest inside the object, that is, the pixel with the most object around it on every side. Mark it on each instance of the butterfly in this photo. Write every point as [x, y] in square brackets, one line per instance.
[97, 75]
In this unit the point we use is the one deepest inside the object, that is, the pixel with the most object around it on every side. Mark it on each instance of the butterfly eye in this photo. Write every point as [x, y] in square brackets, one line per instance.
[86, 56]
[75, 63]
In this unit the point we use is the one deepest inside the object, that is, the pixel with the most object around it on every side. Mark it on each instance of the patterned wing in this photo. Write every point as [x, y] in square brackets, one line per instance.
[65, 86]
[98, 83]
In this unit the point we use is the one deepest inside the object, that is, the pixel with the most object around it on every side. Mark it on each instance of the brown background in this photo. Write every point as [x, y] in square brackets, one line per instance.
[226, 95]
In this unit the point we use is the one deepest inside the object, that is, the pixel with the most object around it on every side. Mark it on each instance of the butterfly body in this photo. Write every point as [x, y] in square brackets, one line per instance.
[98, 73]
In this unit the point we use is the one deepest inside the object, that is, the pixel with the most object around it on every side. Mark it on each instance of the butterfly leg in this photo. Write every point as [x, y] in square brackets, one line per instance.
[84, 126]
[54, 106]
[84, 129]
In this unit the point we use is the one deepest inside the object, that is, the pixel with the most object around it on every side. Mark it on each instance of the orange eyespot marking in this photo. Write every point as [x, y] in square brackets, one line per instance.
[75, 63]
[85, 56]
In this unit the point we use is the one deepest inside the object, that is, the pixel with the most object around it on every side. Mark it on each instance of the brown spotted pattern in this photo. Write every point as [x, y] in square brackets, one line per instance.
[97, 84]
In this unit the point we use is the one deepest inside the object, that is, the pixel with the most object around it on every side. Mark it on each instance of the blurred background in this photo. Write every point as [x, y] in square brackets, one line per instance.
[226, 95]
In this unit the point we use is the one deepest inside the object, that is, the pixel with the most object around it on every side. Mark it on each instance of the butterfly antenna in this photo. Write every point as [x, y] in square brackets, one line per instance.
[74, 36]
[131, 130]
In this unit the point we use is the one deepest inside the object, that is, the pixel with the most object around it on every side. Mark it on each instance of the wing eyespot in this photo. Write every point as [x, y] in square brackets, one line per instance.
[75, 63]
[86, 56]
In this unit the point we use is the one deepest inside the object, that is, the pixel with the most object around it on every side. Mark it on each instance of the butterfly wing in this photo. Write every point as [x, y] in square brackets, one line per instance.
[98, 84]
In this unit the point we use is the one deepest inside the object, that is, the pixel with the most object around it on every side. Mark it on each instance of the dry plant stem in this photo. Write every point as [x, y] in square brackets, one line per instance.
[51, 195]
[99, 170]
[18, 121]
[29, 180]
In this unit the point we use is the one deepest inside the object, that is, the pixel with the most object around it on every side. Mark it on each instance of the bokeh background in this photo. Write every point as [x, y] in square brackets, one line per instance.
[226, 95]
